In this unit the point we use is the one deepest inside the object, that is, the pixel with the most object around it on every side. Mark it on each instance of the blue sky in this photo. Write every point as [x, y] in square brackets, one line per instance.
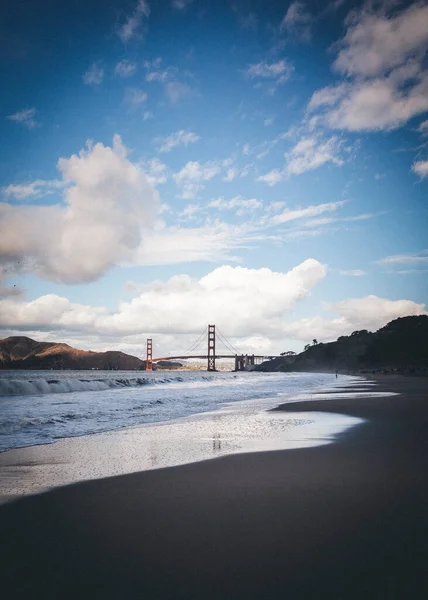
[260, 165]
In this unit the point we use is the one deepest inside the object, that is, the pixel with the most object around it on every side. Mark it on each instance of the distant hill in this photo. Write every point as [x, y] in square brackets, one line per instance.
[401, 344]
[20, 352]
[168, 365]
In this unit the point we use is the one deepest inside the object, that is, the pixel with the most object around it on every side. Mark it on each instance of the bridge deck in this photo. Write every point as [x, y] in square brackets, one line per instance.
[205, 356]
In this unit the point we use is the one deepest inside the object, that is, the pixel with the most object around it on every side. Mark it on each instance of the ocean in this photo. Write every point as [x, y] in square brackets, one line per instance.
[41, 407]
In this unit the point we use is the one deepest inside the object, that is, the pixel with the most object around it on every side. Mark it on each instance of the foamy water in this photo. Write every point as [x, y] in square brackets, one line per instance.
[233, 427]
[40, 407]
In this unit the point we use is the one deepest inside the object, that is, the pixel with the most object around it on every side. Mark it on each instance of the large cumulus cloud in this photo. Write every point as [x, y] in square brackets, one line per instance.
[241, 301]
[252, 307]
[108, 203]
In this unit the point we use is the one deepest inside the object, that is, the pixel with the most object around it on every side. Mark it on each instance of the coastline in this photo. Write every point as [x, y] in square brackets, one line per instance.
[344, 520]
[234, 427]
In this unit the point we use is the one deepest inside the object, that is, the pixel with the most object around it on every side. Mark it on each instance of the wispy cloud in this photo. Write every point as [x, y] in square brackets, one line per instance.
[35, 189]
[420, 167]
[135, 96]
[25, 117]
[94, 75]
[423, 127]
[238, 204]
[133, 23]
[179, 138]
[302, 213]
[169, 77]
[181, 4]
[275, 73]
[297, 21]
[354, 273]
[231, 174]
[177, 90]
[193, 175]
[311, 152]
[420, 258]
[125, 68]
[155, 171]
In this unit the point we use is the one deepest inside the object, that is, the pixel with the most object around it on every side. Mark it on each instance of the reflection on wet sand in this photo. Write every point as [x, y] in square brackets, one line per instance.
[239, 427]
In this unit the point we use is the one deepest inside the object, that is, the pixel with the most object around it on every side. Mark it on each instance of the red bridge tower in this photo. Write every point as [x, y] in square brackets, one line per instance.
[211, 348]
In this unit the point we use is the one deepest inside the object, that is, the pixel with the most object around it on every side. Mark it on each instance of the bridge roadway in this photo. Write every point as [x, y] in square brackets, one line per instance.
[205, 356]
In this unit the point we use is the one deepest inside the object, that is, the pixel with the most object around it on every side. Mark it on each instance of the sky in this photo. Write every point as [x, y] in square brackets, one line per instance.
[166, 164]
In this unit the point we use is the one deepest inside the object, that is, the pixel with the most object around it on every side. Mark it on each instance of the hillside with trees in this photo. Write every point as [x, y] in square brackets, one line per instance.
[401, 345]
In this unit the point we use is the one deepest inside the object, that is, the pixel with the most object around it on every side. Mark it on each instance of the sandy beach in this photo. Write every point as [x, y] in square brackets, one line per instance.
[344, 520]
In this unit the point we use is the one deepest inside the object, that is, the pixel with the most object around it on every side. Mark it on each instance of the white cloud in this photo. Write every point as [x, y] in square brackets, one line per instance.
[301, 213]
[423, 127]
[329, 220]
[375, 43]
[155, 63]
[176, 91]
[132, 26]
[35, 189]
[272, 178]
[278, 72]
[135, 96]
[421, 258]
[297, 21]
[246, 170]
[231, 174]
[94, 75]
[383, 58]
[190, 211]
[147, 115]
[25, 117]
[108, 205]
[212, 242]
[179, 138]
[420, 167]
[159, 76]
[238, 203]
[308, 154]
[192, 176]
[354, 314]
[327, 96]
[125, 68]
[354, 273]
[155, 172]
[181, 4]
[228, 296]
[380, 104]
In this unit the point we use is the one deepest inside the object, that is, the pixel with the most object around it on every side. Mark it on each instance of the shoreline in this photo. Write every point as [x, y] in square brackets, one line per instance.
[41, 415]
[235, 427]
[344, 520]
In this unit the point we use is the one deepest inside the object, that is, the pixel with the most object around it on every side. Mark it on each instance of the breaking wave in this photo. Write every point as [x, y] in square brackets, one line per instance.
[39, 386]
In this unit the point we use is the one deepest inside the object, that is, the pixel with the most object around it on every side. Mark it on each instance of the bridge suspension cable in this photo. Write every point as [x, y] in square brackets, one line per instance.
[197, 343]
[228, 348]
[225, 342]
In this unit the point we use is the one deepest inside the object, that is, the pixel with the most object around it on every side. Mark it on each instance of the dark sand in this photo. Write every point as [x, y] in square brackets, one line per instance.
[348, 520]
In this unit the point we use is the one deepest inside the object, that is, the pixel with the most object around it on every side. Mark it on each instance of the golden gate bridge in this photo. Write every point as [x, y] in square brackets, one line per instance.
[212, 338]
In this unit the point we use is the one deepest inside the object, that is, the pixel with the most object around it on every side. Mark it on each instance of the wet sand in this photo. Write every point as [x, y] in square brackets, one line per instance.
[345, 520]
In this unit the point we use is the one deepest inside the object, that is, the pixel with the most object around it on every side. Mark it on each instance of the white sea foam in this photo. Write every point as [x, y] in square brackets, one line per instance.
[41, 407]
